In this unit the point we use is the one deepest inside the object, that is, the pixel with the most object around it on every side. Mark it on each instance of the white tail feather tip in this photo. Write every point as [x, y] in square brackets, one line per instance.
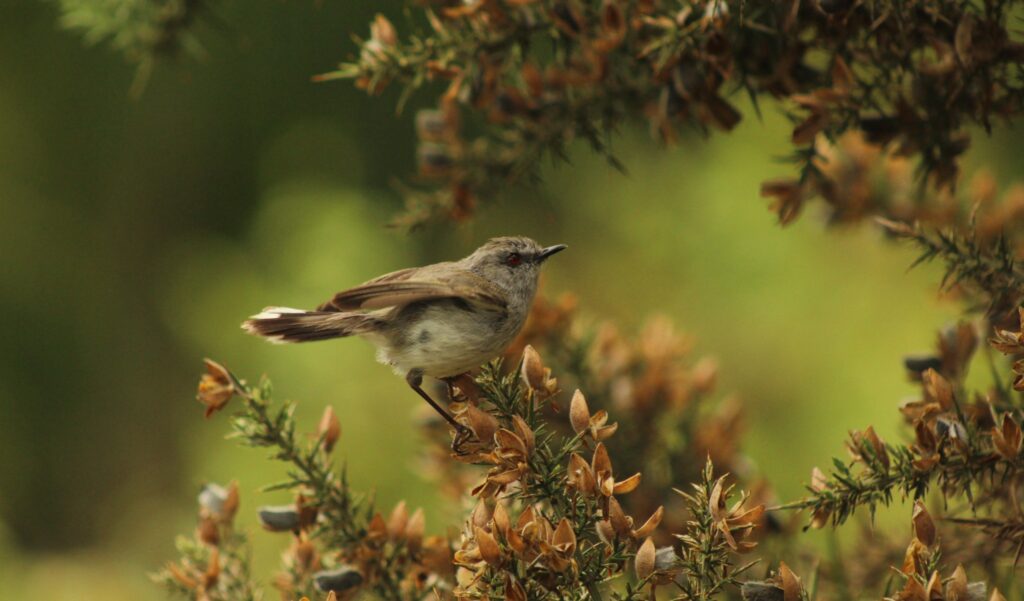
[275, 312]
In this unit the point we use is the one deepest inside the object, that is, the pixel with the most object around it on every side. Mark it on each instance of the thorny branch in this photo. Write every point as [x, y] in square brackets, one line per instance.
[525, 78]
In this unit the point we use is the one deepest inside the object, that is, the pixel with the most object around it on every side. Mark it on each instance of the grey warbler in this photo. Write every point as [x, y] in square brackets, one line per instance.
[438, 320]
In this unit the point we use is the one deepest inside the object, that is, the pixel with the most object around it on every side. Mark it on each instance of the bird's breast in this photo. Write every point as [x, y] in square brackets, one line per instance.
[448, 338]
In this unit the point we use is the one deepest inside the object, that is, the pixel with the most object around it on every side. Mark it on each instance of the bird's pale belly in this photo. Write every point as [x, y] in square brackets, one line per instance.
[445, 341]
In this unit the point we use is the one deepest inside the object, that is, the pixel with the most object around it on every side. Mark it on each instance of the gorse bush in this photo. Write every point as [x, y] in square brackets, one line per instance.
[634, 485]
[556, 516]
[523, 79]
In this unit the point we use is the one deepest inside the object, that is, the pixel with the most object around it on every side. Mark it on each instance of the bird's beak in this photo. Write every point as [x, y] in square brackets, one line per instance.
[547, 252]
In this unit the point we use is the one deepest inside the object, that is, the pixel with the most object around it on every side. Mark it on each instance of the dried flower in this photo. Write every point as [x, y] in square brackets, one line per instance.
[536, 376]
[735, 524]
[924, 528]
[329, 430]
[216, 387]
[1007, 439]
[867, 447]
[510, 458]
[594, 426]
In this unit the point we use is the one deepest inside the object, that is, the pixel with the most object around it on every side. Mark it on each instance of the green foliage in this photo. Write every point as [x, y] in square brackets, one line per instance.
[142, 30]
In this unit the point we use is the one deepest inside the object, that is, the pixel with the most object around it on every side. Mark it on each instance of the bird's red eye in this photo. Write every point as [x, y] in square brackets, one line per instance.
[513, 259]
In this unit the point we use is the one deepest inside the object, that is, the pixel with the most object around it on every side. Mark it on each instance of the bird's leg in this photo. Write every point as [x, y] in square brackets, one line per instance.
[462, 433]
[449, 384]
[453, 388]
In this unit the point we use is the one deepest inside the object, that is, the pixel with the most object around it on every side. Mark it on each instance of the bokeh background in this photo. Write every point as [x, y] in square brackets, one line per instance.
[135, 235]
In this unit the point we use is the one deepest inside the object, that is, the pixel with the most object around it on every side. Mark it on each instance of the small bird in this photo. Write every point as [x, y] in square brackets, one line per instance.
[439, 320]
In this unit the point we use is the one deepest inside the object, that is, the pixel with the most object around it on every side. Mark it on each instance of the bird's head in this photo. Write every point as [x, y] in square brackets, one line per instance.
[512, 262]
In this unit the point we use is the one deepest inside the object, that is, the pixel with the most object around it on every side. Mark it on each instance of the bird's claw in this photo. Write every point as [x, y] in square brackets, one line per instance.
[462, 436]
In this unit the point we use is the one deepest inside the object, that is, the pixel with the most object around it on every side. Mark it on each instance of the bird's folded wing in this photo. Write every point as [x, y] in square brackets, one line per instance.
[403, 288]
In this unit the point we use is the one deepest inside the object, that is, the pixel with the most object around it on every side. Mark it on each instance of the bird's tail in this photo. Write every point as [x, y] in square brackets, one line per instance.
[282, 324]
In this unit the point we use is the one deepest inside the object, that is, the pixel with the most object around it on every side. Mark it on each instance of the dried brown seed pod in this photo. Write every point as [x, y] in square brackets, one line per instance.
[533, 369]
[644, 561]
[579, 413]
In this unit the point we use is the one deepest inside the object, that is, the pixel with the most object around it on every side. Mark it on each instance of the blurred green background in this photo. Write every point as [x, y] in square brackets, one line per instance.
[136, 235]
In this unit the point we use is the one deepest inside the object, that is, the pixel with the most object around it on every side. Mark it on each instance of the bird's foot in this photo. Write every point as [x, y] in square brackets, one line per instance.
[463, 435]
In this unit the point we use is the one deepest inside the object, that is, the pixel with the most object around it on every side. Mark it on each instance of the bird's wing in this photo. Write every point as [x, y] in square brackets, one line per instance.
[418, 284]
